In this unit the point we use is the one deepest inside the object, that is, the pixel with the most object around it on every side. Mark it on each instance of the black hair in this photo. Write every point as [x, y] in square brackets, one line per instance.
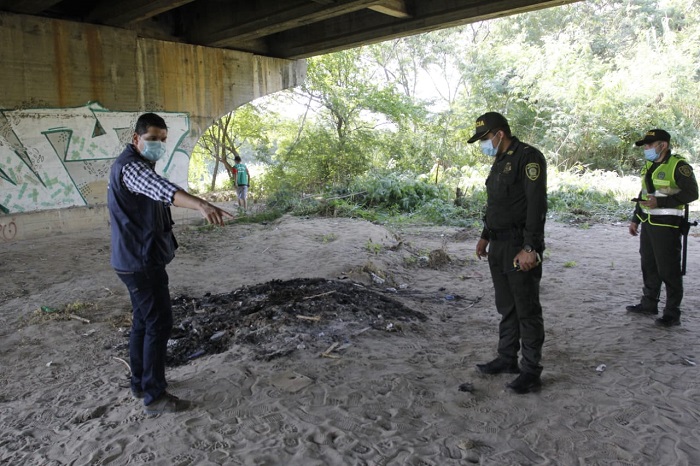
[237, 158]
[505, 129]
[147, 120]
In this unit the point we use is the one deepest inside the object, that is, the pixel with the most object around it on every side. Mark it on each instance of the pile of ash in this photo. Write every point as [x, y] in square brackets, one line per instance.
[279, 317]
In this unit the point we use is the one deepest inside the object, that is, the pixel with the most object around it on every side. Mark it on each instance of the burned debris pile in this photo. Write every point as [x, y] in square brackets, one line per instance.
[279, 317]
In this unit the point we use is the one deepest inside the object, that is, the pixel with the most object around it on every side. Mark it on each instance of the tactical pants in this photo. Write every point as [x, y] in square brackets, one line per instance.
[518, 303]
[660, 250]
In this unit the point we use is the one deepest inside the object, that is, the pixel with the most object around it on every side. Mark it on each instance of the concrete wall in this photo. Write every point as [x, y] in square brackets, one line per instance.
[70, 93]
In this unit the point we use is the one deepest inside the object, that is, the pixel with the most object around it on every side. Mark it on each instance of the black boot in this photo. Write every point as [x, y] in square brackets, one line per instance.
[668, 321]
[639, 309]
[525, 383]
[499, 366]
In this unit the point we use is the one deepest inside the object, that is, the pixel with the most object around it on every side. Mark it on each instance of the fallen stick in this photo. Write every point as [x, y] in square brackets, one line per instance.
[313, 318]
[327, 353]
[123, 362]
[82, 319]
[318, 295]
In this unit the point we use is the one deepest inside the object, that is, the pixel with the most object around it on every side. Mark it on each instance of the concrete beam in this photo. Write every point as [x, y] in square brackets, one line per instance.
[365, 27]
[58, 63]
[395, 8]
[124, 13]
[27, 7]
[273, 22]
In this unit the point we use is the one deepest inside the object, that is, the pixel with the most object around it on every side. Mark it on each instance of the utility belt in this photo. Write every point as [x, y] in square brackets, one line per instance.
[671, 221]
[505, 235]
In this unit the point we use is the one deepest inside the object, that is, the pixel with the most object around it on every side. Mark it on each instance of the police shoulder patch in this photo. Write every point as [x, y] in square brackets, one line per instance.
[532, 170]
[685, 170]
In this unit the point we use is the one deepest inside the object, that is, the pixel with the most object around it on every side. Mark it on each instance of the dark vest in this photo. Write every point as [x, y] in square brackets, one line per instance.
[142, 236]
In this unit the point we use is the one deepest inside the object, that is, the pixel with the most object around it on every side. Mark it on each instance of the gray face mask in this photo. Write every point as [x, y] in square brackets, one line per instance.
[153, 150]
[487, 148]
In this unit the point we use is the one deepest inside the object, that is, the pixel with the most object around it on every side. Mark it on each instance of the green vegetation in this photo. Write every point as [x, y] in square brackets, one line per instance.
[379, 132]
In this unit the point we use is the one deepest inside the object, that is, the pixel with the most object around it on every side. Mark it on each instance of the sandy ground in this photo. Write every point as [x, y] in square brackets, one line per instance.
[387, 397]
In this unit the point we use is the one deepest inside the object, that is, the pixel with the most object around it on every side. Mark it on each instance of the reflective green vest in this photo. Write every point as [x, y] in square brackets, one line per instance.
[664, 181]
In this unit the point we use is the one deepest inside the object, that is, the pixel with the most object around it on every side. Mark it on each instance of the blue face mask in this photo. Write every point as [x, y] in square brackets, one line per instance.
[153, 150]
[651, 154]
[487, 148]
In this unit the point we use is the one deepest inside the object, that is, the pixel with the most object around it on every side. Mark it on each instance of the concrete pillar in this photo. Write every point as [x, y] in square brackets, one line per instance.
[70, 93]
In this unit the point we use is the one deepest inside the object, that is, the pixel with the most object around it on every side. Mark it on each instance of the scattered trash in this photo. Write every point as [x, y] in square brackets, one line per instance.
[48, 310]
[392, 290]
[196, 354]
[329, 292]
[81, 319]
[377, 279]
[48, 364]
[311, 318]
[467, 387]
[601, 368]
[688, 362]
[89, 332]
[218, 335]
[403, 286]
[449, 297]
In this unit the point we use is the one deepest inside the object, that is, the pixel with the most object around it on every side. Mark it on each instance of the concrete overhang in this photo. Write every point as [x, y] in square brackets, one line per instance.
[290, 29]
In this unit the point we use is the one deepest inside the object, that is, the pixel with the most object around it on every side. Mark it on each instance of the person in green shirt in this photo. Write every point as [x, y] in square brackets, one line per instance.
[241, 177]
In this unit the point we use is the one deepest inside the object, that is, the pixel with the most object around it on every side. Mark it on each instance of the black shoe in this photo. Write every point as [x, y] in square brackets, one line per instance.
[499, 366]
[525, 383]
[639, 309]
[167, 403]
[668, 321]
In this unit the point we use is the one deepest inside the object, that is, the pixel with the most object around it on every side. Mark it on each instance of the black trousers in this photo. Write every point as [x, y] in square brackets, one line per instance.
[660, 250]
[518, 303]
[150, 330]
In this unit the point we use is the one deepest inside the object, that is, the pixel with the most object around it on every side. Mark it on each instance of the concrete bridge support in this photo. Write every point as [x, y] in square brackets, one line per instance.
[70, 93]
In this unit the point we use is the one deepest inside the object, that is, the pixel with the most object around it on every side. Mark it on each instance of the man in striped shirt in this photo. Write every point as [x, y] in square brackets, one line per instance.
[142, 245]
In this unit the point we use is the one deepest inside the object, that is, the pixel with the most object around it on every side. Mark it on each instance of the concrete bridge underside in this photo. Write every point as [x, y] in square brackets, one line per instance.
[75, 77]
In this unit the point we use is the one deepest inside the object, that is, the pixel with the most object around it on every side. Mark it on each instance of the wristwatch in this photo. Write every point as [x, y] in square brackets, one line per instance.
[528, 248]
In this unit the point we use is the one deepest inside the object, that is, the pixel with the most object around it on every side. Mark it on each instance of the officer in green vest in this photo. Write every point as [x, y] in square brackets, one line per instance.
[668, 184]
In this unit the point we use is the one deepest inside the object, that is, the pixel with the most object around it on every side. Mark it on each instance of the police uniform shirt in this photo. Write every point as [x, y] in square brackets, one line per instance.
[517, 193]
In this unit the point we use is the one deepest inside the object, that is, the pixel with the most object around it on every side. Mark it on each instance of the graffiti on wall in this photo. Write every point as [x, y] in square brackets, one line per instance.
[55, 158]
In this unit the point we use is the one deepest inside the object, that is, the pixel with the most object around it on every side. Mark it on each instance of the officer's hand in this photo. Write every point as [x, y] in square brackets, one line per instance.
[650, 203]
[633, 228]
[481, 248]
[527, 260]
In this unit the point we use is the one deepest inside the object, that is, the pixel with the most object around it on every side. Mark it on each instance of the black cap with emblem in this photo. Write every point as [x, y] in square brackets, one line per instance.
[487, 122]
[654, 135]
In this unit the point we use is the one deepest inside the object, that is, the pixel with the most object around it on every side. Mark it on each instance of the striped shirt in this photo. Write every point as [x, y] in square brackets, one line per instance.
[140, 178]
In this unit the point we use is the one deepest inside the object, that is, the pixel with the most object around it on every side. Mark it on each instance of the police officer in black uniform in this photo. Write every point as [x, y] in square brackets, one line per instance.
[668, 186]
[514, 234]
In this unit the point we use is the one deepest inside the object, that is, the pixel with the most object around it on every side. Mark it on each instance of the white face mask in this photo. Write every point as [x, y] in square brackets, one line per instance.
[651, 154]
[153, 150]
[487, 148]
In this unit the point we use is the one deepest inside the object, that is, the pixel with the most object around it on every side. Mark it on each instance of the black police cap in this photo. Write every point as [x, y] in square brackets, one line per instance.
[487, 122]
[653, 136]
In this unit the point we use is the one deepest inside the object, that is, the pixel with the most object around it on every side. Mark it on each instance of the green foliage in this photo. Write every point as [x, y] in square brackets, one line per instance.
[373, 248]
[398, 193]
